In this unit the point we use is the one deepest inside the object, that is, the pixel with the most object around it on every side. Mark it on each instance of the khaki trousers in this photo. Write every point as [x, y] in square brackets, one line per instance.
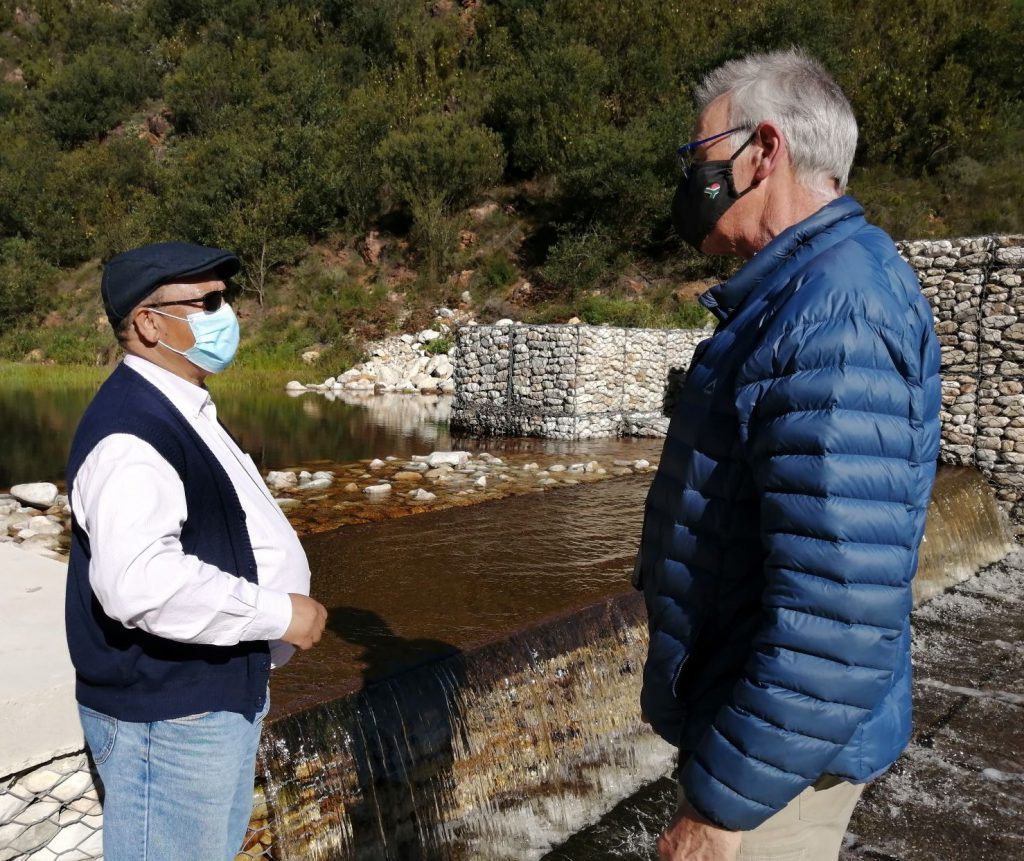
[809, 828]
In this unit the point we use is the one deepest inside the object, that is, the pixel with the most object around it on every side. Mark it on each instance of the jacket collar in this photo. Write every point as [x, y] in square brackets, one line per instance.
[723, 299]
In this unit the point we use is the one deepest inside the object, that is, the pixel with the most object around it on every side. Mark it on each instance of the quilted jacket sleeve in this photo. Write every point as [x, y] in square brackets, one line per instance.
[834, 447]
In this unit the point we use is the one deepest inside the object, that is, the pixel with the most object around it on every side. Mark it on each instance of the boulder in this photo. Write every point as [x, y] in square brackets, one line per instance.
[447, 458]
[310, 356]
[44, 526]
[428, 335]
[421, 495]
[294, 386]
[39, 494]
[281, 480]
[375, 490]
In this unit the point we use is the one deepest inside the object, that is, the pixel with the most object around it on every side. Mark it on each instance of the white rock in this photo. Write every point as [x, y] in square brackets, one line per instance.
[447, 387]
[428, 335]
[445, 313]
[377, 489]
[73, 786]
[286, 502]
[322, 474]
[39, 494]
[481, 481]
[44, 526]
[530, 467]
[421, 495]
[377, 463]
[505, 321]
[558, 467]
[280, 480]
[329, 382]
[317, 484]
[294, 386]
[388, 376]
[466, 297]
[425, 382]
[408, 339]
[447, 458]
[641, 464]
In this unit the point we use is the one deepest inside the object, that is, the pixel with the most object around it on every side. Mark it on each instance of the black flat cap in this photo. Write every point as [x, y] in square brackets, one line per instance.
[130, 277]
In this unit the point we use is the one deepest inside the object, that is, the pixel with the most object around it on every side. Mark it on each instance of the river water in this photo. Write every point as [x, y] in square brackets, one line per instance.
[37, 425]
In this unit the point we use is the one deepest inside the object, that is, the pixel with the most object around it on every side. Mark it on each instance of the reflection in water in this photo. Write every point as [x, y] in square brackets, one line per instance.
[36, 427]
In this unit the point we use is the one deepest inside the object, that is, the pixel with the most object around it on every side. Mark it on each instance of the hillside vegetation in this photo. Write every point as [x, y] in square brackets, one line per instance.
[372, 159]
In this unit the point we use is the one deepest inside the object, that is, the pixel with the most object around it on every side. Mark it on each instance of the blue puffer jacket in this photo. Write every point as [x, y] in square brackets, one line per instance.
[782, 527]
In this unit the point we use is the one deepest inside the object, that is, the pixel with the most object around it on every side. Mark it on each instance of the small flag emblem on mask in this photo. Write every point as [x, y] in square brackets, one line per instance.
[712, 190]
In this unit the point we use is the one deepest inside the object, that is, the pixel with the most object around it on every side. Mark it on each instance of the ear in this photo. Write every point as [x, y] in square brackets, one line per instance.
[770, 151]
[147, 326]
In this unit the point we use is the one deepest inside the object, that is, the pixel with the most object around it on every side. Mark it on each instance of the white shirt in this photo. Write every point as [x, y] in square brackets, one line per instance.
[131, 504]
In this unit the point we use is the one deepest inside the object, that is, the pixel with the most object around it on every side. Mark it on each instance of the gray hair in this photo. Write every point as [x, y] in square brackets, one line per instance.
[793, 91]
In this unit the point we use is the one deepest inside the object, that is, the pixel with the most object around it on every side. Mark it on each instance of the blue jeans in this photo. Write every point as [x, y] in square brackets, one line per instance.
[175, 790]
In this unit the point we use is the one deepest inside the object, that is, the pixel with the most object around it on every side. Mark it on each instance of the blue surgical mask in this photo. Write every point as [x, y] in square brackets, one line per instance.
[216, 337]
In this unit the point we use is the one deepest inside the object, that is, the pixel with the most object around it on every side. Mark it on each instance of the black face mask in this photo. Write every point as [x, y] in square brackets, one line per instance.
[703, 195]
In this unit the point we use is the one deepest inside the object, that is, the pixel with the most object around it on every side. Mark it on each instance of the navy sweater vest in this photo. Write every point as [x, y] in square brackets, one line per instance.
[125, 672]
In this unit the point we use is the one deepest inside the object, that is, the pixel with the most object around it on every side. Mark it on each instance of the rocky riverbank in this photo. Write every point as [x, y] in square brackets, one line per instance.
[37, 516]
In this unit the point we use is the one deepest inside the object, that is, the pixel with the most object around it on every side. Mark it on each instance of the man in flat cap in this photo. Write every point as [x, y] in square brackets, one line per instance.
[186, 583]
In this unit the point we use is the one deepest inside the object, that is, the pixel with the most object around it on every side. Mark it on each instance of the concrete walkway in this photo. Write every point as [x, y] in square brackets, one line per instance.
[37, 693]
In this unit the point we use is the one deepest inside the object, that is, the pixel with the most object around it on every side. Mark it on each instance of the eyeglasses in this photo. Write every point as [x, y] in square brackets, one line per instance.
[211, 301]
[684, 155]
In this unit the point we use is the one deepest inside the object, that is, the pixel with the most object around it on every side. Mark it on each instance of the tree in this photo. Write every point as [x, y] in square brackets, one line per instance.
[435, 165]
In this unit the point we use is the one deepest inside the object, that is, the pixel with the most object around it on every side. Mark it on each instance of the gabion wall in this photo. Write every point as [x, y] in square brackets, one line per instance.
[574, 382]
[567, 382]
[51, 812]
[974, 287]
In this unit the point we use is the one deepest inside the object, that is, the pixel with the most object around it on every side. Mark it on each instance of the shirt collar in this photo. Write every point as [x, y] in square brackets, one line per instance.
[723, 299]
[189, 399]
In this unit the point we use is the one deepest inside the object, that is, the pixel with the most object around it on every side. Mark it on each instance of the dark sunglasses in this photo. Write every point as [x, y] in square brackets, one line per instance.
[211, 301]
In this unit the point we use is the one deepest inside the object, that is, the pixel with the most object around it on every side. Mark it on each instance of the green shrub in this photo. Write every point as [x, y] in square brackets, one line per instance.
[89, 96]
[24, 275]
[578, 262]
[498, 271]
[434, 166]
[439, 346]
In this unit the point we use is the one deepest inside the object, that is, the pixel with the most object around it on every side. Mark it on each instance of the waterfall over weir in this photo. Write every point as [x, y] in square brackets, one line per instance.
[527, 728]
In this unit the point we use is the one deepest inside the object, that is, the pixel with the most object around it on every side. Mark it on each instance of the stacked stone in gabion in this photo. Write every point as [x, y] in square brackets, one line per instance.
[566, 382]
[1000, 398]
[51, 813]
[973, 286]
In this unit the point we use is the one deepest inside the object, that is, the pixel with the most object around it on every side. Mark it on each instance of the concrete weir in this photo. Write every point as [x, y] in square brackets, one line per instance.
[499, 750]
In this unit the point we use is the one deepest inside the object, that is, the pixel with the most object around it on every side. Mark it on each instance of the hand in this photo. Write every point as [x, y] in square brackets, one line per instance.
[309, 618]
[690, 837]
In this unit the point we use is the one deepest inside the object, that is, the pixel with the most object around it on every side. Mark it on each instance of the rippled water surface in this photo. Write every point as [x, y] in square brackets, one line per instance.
[407, 590]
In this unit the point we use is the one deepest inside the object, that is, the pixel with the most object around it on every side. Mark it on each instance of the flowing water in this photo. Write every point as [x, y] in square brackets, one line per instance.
[457, 709]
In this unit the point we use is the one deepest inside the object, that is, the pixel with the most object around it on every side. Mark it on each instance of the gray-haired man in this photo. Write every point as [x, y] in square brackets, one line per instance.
[782, 527]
